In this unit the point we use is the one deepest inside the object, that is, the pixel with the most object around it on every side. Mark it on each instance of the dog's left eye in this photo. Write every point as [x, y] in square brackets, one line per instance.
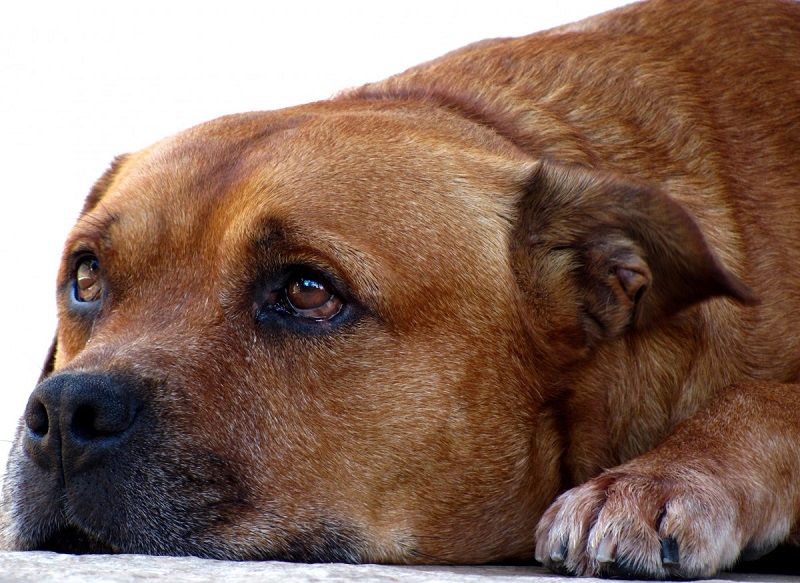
[300, 295]
[309, 298]
[88, 285]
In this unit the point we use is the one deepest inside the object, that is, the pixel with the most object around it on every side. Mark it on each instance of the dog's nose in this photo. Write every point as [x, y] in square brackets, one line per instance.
[74, 420]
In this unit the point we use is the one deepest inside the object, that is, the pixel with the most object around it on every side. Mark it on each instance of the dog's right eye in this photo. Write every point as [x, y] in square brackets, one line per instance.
[88, 285]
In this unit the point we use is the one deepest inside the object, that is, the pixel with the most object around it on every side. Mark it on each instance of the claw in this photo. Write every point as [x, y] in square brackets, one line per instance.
[607, 550]
[670, 553]
[559, 554]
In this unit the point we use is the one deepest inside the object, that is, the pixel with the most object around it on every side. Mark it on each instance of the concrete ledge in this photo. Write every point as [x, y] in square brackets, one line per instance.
[36, 567]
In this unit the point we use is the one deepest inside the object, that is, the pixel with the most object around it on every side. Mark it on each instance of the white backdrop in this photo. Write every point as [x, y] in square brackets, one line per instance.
[83, 81]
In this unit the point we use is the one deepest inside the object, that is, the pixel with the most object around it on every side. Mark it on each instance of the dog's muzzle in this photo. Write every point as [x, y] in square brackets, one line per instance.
[75, 421]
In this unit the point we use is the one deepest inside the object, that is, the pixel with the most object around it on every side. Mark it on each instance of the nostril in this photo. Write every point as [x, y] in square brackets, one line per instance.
[74, 420]
[102, 415]
[84, 423]
[36, 418]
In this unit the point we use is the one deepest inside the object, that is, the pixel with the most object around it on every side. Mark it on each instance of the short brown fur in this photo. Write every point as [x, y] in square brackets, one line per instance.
[567, 266]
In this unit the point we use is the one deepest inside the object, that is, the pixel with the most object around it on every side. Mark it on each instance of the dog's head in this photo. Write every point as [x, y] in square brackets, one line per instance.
[342, 332]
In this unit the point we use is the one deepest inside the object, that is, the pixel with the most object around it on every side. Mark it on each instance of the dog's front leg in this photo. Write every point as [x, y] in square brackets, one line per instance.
[724, 486]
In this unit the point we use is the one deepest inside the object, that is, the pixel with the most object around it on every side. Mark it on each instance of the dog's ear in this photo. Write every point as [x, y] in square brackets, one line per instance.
[623, 255]
[50, 360]
[103, 183]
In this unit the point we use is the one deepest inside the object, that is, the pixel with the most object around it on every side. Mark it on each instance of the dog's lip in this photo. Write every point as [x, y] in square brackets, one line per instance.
[75, 541]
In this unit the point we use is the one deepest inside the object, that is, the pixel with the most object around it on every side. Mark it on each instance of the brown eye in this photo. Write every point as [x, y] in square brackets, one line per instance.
[310, 298]
[88, 286]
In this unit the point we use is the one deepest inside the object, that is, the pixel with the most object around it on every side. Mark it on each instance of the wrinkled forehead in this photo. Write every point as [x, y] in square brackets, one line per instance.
[388, 183]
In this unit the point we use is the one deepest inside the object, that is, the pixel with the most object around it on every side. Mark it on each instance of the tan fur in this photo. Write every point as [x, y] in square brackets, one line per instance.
[557, 254]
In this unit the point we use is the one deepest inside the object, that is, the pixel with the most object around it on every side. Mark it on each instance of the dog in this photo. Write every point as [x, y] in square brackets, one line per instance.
[537, 299]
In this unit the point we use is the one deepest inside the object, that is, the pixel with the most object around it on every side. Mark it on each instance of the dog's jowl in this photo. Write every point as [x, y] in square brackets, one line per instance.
[538, 299]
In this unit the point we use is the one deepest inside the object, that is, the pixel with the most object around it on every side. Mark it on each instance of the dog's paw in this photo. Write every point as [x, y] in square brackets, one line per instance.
[634, 525]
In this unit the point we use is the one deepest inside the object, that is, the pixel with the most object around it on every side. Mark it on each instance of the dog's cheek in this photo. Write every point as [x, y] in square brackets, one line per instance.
[448, 449]
[390, 435]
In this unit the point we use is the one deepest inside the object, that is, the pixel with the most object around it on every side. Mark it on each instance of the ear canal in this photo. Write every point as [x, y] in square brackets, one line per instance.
[634, 254]
[616, 281]
[634, 282]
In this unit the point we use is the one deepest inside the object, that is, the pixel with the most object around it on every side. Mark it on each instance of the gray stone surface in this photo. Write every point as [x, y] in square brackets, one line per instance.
[42, 567]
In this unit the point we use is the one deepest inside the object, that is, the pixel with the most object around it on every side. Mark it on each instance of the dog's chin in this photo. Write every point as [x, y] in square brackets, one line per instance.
[73, 541]
[323, 546]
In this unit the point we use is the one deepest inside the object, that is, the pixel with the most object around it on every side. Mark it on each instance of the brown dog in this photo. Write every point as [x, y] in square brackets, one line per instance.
[396, 325]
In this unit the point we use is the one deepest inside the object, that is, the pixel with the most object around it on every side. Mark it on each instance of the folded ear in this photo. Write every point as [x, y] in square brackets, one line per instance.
[50, 360]
[624, 255]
